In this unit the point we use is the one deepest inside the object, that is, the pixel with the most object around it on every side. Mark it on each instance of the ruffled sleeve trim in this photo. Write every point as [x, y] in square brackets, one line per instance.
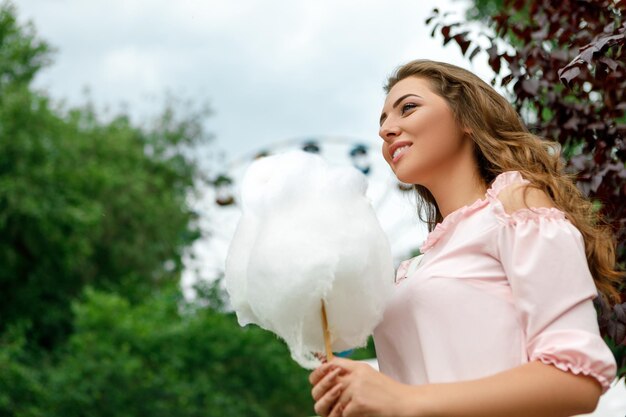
[576, 351]
[567, 366]
[521, 215]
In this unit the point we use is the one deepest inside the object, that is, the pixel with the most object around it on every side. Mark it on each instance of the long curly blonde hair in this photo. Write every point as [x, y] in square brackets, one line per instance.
[504, 143]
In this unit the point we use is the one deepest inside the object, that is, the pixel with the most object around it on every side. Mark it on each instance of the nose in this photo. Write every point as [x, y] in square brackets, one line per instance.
[388, 131]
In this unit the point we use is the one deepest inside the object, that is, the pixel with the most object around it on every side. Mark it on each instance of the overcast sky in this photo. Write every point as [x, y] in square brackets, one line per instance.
[271, 70]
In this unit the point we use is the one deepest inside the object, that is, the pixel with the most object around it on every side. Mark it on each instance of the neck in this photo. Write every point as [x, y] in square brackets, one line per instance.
[461, 185]
[449, 201]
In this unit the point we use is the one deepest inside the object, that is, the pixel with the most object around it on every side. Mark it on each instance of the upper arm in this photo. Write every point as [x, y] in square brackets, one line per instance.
[543, 257]
[523, 196]
[581, 390]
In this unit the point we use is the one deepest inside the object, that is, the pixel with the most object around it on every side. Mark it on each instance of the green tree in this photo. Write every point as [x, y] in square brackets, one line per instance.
[84, 201]
[22, 53]
[22, 391]
[164, 357]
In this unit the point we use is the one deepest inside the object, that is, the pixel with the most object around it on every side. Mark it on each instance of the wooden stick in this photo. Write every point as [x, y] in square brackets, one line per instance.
[329, 352]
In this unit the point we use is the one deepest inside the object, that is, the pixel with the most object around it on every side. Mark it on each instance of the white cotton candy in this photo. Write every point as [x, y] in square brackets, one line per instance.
[308, 233]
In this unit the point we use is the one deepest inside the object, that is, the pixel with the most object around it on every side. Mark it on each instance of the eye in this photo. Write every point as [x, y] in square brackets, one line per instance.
[408, 106]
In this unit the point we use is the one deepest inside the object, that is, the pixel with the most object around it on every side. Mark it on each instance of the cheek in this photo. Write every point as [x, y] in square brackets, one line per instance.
[441, 135]
[384, 151]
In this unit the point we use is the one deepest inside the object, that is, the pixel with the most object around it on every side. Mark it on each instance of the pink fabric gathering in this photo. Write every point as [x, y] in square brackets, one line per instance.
[492, 291]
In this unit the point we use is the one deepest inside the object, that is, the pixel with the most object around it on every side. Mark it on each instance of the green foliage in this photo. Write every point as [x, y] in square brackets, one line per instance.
[22, 391]
[149, 359]
[84, 201]
[482, 10]
[156, 358]
[22, 54]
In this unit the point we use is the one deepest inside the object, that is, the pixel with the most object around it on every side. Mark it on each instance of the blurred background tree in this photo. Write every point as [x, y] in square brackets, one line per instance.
[83, 201]
[94, 222]
[563, 66]
[162, 356]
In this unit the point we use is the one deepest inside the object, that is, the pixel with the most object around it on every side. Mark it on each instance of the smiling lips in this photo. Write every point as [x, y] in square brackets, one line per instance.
[399, 151]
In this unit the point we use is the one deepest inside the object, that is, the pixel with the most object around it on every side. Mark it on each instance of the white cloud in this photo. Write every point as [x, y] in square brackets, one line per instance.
[129, 66]
[271, 69]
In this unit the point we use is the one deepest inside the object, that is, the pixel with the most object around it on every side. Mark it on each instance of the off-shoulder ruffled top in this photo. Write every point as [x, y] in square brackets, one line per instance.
[490, 291]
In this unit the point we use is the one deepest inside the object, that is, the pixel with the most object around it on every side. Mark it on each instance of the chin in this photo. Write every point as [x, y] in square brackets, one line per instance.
[404, 178]
[412, 177]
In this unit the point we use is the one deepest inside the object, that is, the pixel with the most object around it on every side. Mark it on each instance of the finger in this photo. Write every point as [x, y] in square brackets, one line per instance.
[344, 398]
[348, 409]
[327, 402]
[337, 410]
[325, 384]
[319, 372]
[345, 363]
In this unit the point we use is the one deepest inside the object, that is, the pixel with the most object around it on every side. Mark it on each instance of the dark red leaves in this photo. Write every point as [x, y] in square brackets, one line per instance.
[531, 86]
[462, 42]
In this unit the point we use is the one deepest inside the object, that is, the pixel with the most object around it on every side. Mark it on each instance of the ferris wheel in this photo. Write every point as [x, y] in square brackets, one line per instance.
[220, 210]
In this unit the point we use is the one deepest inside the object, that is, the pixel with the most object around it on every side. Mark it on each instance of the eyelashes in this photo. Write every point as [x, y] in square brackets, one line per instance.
[405, 107]
[408, 106]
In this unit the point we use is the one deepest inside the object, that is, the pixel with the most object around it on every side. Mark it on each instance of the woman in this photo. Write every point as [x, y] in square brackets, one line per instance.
[496, 316]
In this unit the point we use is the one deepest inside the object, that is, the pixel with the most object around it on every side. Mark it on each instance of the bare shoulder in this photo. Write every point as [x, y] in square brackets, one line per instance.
[519, 196]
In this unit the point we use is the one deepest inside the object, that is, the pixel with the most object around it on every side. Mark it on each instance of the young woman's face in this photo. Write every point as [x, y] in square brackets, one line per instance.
[421, 125]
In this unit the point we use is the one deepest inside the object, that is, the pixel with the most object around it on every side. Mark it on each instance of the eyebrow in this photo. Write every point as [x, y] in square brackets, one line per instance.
[384, 115]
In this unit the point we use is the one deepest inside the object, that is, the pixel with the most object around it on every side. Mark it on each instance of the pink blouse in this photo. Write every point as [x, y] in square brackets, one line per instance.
[492, 291]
